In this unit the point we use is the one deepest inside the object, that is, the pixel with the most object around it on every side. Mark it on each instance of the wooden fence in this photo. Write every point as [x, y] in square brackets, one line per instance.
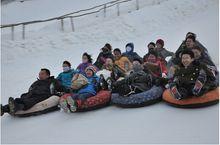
[71, 16]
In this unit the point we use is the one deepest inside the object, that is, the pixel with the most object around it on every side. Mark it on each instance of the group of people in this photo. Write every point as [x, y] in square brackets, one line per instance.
[190, 71]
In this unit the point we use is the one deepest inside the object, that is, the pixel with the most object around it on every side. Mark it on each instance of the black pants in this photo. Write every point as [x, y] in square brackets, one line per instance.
[29, 101]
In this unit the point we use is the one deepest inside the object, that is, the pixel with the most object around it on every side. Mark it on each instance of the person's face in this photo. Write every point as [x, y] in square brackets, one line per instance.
[186, 60]
[43, 75]
[158, 46]
[85, 59]
[150, 46]
[89, 73]
[152, 58]
[197, 53]
[136, 63]
[109, 61]
[117, 54]
[189, 43]
[66, 67]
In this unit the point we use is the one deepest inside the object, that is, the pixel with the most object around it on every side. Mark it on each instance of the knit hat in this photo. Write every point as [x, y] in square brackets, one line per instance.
[92, 68]
[160, 41]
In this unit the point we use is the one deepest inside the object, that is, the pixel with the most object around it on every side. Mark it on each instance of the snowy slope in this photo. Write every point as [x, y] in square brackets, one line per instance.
[46, 46]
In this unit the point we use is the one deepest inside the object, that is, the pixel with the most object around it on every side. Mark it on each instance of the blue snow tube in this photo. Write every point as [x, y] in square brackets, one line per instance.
[149, 97]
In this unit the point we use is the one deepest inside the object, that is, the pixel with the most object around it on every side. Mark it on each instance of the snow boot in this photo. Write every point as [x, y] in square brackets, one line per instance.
[63, 105]
[2, 110]
[12, 106]
[72, 104]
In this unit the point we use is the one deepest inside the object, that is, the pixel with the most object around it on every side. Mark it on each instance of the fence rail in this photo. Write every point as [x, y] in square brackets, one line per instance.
[70, 16]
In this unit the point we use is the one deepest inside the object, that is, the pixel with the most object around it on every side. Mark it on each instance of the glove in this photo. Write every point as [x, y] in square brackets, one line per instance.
[174, 91]
[164, 75]
[197, 88]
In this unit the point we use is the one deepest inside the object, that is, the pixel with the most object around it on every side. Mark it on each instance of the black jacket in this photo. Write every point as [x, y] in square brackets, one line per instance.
[44, 88]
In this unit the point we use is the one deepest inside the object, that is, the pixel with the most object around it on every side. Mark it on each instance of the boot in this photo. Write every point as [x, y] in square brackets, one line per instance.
[12, 106]
[72, 104]
[2, 110]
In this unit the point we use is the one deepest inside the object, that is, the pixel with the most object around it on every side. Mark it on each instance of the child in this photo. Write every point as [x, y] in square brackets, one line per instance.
[192, 78]
[66, 76]
[82, 94]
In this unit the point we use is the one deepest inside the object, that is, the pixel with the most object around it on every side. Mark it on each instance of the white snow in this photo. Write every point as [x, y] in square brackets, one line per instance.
[46, 46]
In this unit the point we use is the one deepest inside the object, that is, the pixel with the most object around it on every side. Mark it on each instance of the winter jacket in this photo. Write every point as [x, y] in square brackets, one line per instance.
[102, 58]
[43, 89]
[131, 55]
[136, 82]
[124, 63]
[91, 86]
[163, 53]
[187, 77]
[65, 78]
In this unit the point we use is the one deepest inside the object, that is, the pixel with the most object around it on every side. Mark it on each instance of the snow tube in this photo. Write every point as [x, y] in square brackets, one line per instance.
[100, 100]
[210, 98]
[149, 97]
[43, 107]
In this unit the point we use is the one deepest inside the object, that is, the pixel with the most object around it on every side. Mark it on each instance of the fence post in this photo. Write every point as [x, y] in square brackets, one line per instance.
[72, 24]
[62, 24]
[137, 4]
[12, 33]
[104, 10]
[23, 31]
[118, 11]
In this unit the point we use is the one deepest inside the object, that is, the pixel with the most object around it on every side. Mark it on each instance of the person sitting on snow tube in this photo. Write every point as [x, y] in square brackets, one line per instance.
[189, 43]
[130, 54]
[154, 64]
[40, 90]
[122, 61]
[106, 51]
[200, 58]
[66, 76]
[193, 78]
[86, 61]
[162, 52]
[89, 90]
[110, 73]
[137, 81]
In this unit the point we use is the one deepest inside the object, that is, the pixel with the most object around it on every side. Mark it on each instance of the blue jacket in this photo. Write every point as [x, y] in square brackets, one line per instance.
[91, 86]
[65, 78]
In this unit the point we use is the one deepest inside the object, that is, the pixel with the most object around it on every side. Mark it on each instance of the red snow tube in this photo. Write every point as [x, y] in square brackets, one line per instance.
[100, 100]
[210, 98]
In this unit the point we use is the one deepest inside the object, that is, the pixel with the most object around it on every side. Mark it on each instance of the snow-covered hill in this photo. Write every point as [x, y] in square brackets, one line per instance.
[46, 46]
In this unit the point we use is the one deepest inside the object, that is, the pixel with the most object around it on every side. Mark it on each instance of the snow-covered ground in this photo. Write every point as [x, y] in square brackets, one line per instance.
[46, 46]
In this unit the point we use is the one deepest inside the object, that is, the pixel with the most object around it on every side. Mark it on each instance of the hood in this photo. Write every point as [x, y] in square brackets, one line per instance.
[130, 45]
